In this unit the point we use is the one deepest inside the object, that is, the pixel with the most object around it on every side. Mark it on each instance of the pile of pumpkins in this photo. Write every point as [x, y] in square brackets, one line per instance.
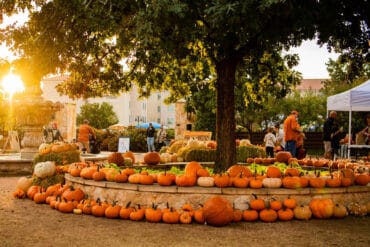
[216, 210]
[57, 147]
[237, 176]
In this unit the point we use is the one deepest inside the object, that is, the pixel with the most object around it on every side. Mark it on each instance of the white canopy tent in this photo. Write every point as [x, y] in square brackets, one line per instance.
[354, 99]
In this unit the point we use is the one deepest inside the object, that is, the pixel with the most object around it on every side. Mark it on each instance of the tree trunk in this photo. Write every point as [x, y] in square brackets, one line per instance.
[225, 115]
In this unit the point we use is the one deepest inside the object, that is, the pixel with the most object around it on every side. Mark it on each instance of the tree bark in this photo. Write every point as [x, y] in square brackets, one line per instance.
[225, 115]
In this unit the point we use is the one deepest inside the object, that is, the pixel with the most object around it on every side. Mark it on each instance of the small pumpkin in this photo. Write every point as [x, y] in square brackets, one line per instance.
[302, 212]
[131, 155]
[185, 180]
[153, 214]
[125, 211]
[199, 215]
[272, 182]
[250, 215]
[112, 211]
[285, 214]
[268, 215]
[170, 216]
[206, 181]
[165, 179]
[138, 214]
[340, 211]
[257, 204]
[273, 172]
[185, 217]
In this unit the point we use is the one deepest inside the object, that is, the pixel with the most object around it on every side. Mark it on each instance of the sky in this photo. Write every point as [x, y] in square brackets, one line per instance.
[312, 57]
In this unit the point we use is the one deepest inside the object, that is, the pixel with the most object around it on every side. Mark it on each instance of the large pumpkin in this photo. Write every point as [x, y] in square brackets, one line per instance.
[218, 211]
[24, 183]
[283, 156]
[322, 208]
[191, 168]
[152, 158]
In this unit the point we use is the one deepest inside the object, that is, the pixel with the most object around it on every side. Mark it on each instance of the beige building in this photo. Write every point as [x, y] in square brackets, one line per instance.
[129, 108]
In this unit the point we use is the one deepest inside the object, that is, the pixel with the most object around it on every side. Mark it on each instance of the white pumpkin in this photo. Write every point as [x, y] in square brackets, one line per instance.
[271, 182]
[24, 183]
[245, 142]
[44, 148]
[44, 169]
[206, 181]
[192, 143]
[165, 158]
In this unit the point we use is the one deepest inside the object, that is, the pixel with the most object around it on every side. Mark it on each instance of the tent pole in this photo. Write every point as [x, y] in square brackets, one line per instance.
[349, 132]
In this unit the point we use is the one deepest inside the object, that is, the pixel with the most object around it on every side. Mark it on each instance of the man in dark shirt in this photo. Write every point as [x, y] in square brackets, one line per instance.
[150, 131]
[331, 135]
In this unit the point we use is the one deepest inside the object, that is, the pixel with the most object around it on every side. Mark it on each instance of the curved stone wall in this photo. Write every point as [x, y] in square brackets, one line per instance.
[175, 196]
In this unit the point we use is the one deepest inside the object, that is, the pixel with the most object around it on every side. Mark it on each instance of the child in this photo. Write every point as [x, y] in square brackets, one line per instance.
[301, 152]
[270, 141]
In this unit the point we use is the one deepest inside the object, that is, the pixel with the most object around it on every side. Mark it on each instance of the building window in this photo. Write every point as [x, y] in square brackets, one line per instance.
[171, 108]
[170, 121]
[159, 96]
[159, 108]
[158, 120]
[144, 106]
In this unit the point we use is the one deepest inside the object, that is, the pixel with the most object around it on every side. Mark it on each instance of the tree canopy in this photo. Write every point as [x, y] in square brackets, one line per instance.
[100, 116]
[175, 44]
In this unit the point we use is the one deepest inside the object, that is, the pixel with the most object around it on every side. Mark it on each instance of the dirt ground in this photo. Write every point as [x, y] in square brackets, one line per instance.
[24, 223]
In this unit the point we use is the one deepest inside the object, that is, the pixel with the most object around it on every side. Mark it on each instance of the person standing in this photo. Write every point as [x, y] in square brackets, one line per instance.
[52, 134]
[279, 133]
[85, 133]
[161, 137]
[366, 131]
[270, 141]
[331, 135]
[55, 132]
[150, 131]
[291, 131]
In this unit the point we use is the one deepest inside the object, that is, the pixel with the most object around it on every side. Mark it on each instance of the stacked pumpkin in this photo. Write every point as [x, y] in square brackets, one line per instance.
[217, 211]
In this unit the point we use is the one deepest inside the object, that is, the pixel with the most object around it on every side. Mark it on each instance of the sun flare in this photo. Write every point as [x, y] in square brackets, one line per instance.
[12, 84]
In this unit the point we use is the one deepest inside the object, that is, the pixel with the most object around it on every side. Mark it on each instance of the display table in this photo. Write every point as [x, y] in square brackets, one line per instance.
[355, 150]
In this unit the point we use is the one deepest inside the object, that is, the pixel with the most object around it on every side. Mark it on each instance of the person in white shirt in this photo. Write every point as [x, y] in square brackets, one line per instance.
[279, 133]
[270, 141]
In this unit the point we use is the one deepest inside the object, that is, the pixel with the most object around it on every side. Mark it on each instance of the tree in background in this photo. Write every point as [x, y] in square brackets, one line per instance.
[174, 45]
[100, 116]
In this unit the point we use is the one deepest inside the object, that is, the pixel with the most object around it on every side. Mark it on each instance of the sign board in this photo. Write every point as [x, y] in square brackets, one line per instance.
[123, 144]
[199, 135]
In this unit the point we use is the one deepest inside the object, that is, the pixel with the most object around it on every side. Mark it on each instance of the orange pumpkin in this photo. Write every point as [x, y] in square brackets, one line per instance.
[152, 158]
[218, 211]
[192, 168]
[131, 155]
[322, 208]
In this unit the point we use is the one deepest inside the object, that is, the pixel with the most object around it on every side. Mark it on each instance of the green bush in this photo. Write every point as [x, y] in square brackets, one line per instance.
[209, 155]
[62, 158]
[244, 152]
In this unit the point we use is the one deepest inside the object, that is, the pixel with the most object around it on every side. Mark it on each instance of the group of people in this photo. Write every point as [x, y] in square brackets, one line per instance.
[289, 139]
[86, 135]
[160, 138]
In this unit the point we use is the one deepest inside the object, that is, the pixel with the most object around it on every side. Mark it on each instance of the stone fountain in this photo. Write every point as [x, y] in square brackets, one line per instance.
[32, 113]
